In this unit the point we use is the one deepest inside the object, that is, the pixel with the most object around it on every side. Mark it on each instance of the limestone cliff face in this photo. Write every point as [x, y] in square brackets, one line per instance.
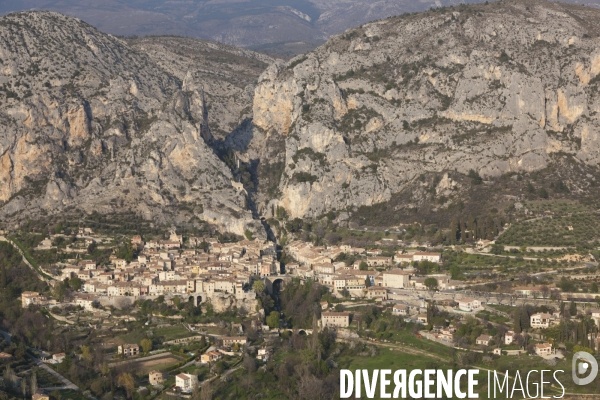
[225, 74]
[499, 88]
[88, 122]
[222, 302]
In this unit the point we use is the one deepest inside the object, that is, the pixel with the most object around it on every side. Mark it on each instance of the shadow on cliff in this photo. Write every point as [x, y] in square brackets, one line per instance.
[245, 172]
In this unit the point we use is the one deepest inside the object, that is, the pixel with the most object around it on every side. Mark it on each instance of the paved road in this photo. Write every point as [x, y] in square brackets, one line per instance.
[68, 384]
[351, 305]
[42, 277]
[7, 336]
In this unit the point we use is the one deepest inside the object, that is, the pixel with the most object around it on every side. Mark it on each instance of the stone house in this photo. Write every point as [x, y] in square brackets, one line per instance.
[335, 319]
[129, 350]
[156, 378]
[483, 340]
[543, 349]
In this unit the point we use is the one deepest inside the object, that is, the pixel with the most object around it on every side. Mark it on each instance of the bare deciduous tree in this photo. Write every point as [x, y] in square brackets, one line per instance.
[206, 391]
[309, 386]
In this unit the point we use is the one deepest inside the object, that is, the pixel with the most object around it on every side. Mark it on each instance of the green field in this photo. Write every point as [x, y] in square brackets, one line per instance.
[172, 332]
[167, 333]
[46, 379]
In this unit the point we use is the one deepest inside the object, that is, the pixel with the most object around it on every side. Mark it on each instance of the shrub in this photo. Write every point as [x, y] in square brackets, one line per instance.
[302, 177]
[297, 62]
[475, 177]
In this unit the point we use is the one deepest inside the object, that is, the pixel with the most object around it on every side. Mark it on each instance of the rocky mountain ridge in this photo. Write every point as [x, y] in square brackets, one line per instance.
[408, 111]
[89, 123]
[420, 117]
[282, 27]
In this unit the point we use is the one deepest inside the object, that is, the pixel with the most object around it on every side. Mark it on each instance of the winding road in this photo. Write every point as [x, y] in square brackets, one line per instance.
[41, 276]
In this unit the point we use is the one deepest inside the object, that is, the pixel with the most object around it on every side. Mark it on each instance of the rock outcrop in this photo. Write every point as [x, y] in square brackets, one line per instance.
[505, 88]
[222, 302]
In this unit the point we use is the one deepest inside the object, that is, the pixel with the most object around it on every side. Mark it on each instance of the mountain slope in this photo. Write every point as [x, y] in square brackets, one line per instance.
[87, 123]
[410, 112]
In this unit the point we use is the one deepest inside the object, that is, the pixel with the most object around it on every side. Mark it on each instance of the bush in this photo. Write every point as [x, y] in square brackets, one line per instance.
[475, 177]
[497, 249]
[311, 154]
[297, 62]
[302, 177]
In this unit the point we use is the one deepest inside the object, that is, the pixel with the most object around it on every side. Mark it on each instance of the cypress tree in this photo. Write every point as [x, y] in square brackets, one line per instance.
[517, 321]
[573, 309]
[3, 279]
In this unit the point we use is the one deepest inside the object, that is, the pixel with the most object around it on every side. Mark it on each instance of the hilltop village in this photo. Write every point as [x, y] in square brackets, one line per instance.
[224, 273]
[204, 268]
[176, 313]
